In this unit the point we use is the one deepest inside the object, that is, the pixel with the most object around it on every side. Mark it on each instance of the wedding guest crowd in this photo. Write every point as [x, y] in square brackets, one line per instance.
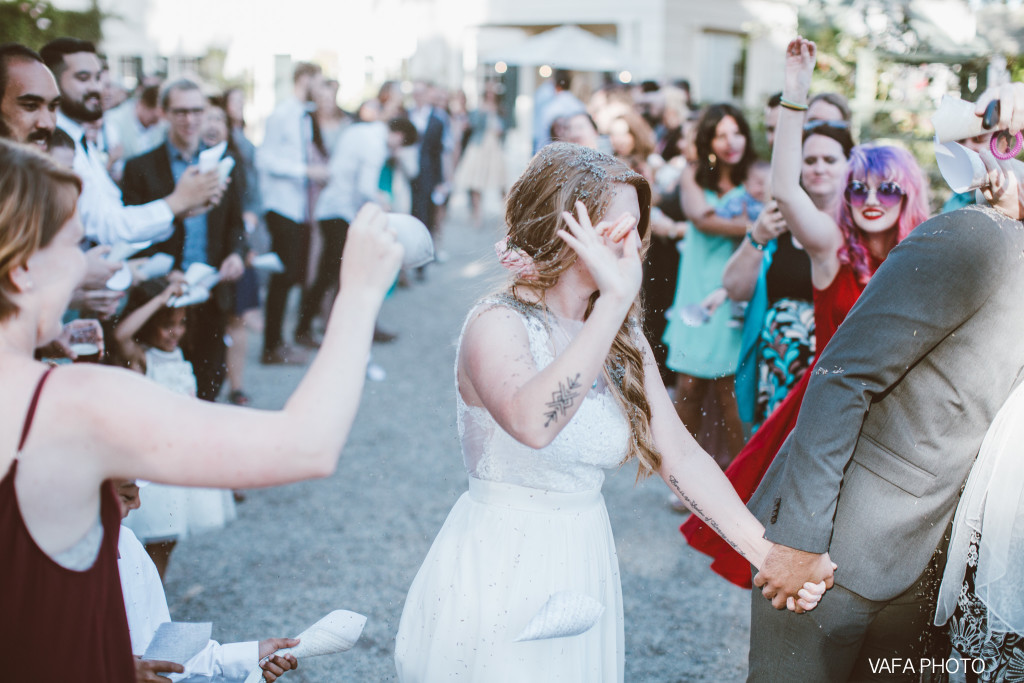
[132, 229]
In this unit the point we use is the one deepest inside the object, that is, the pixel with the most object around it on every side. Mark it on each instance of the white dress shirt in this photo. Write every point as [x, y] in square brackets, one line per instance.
[281, 161]
[356, 164]
[101, 207]
[146, 605]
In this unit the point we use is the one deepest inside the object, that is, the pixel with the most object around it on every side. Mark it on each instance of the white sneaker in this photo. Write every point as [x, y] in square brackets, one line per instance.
[375, 373]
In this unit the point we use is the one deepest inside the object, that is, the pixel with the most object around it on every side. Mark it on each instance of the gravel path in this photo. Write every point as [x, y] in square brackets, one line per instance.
[355, 540]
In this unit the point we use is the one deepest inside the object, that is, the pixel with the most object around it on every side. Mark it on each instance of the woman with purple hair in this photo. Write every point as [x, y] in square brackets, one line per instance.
[885, 197]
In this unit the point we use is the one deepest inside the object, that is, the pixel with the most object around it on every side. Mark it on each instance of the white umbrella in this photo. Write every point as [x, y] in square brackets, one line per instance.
[565, 47]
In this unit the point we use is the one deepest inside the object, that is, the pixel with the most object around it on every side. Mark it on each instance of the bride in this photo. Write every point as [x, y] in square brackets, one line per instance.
[555, 383]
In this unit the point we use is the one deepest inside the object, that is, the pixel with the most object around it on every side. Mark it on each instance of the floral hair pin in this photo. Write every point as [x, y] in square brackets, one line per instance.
[515, 259]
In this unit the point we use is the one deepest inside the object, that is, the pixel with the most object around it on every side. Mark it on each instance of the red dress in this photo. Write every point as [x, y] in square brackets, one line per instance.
[59, 624]
[748, 468]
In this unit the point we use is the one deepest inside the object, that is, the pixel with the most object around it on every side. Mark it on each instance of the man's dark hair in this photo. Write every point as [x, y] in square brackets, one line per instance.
[649, 86]
[53, 53]
[563, 79]
[404, 126]
[11, 52]
[150, 96]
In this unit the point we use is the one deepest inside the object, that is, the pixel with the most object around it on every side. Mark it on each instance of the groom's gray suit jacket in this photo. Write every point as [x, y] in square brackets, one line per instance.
[900, 401]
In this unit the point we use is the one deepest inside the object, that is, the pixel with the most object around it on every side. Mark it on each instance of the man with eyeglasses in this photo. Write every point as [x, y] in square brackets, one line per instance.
[77, 68]
[216, 238]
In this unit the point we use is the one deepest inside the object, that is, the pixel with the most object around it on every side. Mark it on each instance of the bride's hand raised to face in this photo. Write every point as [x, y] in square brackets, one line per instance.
[618, 274]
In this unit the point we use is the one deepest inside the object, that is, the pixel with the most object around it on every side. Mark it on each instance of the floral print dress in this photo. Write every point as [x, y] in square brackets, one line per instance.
[1001, 652]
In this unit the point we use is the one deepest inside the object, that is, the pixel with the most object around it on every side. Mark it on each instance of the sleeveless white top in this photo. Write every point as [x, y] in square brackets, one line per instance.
[596, 438]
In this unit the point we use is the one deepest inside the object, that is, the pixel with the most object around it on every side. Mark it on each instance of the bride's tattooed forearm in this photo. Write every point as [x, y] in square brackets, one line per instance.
[696, 509]
[562, 399]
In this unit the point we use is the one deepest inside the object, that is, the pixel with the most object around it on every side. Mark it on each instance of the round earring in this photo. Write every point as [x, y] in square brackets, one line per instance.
[712, 159]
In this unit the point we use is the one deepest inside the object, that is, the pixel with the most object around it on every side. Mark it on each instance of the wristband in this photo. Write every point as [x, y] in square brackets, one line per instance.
[792, 106]
[754, 243]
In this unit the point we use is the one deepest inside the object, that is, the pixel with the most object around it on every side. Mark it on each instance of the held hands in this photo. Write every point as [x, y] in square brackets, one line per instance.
[793, 578]
[372, 256]
[801, 55]
[276, 665]
[617, 272]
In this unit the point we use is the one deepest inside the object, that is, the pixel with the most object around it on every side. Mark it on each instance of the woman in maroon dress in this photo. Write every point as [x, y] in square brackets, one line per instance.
[886, 197]
[63, 615]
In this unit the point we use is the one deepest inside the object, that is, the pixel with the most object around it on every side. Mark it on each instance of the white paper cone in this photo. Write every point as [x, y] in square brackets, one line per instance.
[564, 614]
[955, 120]
[158, 265]
[121, 280]
[122, 250]
[337, 632]
[209, 158]
[414, 238]
[961, 168]
[191, 297]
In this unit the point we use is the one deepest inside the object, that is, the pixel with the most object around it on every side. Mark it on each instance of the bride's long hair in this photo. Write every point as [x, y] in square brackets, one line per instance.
[558, 176]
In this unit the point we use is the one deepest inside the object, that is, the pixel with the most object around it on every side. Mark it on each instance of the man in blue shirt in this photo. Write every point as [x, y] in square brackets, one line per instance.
[216, 237]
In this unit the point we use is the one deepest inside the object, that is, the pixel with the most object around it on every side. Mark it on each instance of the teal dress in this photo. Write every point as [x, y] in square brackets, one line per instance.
[711, 350]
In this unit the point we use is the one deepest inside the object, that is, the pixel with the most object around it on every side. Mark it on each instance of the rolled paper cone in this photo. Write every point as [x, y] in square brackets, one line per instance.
[158, 265]
[192, 296]
[955, 120]
[961, 168]
[564, 614]
[121, 280]
[336, 632]
[415, 239]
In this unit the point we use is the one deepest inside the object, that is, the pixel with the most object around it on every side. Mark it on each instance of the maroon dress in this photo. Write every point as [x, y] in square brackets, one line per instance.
[748, 468]
[57, 624]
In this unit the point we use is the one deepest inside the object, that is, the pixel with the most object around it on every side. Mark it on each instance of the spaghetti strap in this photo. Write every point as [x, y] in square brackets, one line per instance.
[30, 415]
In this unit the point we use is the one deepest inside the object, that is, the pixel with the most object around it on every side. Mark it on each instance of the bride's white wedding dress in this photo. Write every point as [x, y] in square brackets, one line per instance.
[532, 524]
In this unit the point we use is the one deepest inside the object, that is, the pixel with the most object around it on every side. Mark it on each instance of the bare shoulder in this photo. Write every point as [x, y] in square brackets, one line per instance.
[493, 327]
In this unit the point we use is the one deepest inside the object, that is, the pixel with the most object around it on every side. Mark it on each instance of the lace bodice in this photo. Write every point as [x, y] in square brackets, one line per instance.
[596, 438]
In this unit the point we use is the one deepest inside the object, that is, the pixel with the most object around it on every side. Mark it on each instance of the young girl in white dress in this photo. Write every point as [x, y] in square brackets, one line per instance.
[149, 340]
[555, 383]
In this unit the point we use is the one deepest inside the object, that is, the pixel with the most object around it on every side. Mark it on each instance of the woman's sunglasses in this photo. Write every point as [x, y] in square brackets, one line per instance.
[888, 193]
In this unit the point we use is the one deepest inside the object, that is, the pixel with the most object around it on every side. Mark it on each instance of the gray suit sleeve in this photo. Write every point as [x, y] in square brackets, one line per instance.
[931, 283]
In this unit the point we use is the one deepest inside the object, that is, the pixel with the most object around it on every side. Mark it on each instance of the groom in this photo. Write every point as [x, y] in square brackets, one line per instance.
[892, 421]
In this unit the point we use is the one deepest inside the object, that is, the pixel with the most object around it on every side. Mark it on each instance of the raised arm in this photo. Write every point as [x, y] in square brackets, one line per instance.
[701, 214]
[816, 230]
[126, 330]
[534, 406]
[139, 430]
